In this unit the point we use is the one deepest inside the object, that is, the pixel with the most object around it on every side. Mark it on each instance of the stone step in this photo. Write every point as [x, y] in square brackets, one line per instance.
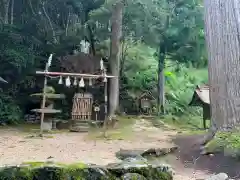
[83, 121]
[81, 124]
[79, 129]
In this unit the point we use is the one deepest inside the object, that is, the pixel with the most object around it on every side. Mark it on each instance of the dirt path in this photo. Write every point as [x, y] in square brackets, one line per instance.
[15, 148]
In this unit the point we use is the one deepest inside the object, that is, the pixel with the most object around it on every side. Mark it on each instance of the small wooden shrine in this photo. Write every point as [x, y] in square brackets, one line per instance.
[201, 98]
[145, 103]
[81, 111]
[82, 102]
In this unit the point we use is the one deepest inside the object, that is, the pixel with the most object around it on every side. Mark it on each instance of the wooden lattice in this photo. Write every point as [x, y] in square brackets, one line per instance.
[82, 106]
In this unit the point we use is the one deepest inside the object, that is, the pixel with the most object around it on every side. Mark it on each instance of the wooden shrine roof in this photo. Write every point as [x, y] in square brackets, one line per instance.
[146, 94]
[80, 63]
[201, 93]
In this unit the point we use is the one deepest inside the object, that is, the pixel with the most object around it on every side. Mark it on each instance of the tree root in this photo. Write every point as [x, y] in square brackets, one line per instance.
[207, 138]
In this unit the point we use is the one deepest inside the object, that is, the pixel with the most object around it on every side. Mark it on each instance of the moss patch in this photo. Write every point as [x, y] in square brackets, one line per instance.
[43, 170]
[122, 131]
[34, 164]
[77, 171]
[227, 142]
[112, 134]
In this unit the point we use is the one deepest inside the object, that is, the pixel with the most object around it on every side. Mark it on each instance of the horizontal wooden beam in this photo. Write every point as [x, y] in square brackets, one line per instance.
[46, 111]
[73, 74]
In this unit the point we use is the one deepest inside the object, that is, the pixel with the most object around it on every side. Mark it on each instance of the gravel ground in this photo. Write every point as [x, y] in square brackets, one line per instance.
[15, 148]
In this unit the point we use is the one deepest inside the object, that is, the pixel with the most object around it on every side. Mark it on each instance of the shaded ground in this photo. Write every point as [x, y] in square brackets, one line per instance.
[211, 164]
[16, 147]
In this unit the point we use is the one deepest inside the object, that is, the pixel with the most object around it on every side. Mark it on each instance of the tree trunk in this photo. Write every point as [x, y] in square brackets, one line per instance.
[91, 36]
[161, 64]
[115, 56]
[161, 78]
[6, 10]
[12, 11]
[222, 27]
[67, 23]
[50, 23]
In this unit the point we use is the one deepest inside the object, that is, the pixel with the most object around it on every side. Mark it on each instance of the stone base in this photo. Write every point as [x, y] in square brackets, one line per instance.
[47, 125]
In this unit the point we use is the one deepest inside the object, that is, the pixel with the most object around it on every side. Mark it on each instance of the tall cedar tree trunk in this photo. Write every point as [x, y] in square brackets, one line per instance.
[161, 78]
[222, 31]
[115, 56]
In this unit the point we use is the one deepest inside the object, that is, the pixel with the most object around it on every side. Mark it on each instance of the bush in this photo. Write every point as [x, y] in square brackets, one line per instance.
[10, 112]
[180, 86]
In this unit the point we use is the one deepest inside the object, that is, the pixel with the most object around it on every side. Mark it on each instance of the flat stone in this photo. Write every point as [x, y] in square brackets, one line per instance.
[152, 152]
[132, 176]
[142, 167]
[220, 176]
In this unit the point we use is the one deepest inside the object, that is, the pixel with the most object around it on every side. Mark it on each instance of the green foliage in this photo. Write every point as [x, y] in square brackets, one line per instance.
[39, 29]
[140, 72]
[10, 112]
[180, 87]
[140, 67]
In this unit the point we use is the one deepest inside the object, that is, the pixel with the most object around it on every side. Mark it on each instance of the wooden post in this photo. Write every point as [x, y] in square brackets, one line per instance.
[43, 100]
[43, 104]
[105, 99]
[105, 106]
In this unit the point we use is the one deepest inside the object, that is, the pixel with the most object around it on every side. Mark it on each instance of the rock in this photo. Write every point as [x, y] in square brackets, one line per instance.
[156, 152]
[220, 176]
[123, 154]
[135, 159]
[132, 176]
[142, 167]
[152, 152]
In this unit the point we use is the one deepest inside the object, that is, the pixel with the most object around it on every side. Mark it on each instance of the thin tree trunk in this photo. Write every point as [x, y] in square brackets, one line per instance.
[90, 37]
[50, 23]
[222, 27]
[31, 7]
[6, 10]
[67, 24]
[12, 9]
[115, 56]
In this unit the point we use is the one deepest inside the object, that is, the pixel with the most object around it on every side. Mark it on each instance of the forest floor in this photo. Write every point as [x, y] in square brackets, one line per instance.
[17, 146]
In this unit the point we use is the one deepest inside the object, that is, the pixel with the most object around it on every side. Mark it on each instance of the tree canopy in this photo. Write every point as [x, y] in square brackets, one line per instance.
[31, 30]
